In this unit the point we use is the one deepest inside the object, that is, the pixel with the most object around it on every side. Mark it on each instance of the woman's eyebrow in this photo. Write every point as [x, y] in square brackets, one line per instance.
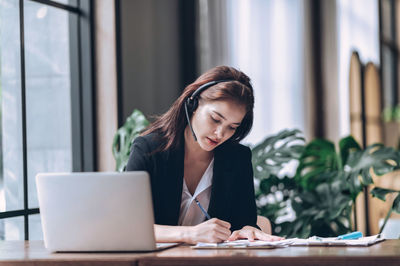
[224, 117]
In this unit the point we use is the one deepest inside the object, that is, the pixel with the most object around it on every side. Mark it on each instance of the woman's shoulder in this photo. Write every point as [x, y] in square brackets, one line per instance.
[149, 142]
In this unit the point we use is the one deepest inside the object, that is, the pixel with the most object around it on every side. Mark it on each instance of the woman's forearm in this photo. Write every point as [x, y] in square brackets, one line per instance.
[212, 231]
[168, 233]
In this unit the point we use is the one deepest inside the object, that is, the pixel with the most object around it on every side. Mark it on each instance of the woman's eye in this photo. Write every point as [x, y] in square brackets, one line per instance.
[215, 120]
[233, 128]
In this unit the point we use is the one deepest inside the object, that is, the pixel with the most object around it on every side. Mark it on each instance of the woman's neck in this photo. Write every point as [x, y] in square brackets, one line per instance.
[193, 151]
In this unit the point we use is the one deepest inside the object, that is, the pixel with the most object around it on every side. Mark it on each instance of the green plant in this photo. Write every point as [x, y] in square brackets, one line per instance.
[322, 192]
[124, 137]
[274, 189]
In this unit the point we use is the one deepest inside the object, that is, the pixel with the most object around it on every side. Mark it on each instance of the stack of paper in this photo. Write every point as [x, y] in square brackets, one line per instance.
[246, 244]
[333, 241]
[312, 241]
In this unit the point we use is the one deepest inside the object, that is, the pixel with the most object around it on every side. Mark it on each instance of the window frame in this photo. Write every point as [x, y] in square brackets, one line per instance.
[81, 45]
[394, 48]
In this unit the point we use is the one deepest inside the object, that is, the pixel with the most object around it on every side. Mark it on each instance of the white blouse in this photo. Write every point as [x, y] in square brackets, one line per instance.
[190, 213]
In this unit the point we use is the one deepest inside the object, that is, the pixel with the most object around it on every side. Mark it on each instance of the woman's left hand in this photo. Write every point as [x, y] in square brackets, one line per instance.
[252, 233]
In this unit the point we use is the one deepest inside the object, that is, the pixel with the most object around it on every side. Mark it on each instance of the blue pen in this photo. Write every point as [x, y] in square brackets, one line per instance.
[353, 235]
[202, 209]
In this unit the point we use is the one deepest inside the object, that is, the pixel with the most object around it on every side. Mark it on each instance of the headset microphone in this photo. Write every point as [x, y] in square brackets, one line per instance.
[188, 120]
[192, 102]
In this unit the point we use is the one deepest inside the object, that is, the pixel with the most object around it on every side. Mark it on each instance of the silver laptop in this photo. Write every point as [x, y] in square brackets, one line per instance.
[97, 211]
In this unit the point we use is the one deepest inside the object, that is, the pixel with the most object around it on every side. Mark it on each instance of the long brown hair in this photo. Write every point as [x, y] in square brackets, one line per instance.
[170, 126]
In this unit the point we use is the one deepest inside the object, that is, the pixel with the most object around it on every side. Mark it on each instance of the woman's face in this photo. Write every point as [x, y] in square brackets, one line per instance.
[214, 122]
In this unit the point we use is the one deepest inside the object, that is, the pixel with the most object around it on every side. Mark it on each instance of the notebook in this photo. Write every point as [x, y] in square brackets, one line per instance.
[97, 211]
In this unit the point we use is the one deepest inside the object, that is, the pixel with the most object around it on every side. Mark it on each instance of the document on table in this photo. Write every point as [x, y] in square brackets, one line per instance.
[333, 241]
[244, 244]
[311, 241]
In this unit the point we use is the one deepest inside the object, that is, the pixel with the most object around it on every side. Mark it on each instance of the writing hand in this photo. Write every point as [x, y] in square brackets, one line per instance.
[211, 231]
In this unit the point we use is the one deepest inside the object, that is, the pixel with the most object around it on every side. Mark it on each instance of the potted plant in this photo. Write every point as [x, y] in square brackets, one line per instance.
[321, 192]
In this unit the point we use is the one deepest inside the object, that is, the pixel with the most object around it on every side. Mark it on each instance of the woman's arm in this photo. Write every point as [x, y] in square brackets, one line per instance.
[213, 231]
[170, 233]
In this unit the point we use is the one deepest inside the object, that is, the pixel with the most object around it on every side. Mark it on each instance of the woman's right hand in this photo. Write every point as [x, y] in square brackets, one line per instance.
[211, 231]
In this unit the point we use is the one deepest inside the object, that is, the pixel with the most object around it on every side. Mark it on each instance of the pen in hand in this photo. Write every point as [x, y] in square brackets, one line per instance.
[202, 209]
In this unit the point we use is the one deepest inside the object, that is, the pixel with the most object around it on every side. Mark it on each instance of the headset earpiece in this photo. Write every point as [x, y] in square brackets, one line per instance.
[192, 104]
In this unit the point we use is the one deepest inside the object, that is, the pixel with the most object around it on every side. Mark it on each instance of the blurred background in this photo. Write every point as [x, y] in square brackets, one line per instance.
[72, 71]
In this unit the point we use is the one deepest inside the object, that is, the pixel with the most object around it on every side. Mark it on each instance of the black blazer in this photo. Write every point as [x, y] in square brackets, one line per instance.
[232, 193]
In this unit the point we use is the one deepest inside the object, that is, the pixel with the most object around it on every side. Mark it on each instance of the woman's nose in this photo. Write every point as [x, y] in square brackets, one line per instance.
[219, 132]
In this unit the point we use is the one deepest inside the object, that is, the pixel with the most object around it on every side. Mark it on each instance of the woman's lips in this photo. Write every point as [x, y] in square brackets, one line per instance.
[211, 141]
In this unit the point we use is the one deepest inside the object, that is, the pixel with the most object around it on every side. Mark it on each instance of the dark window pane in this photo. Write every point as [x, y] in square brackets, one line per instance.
[48, 98]
[387, 25]
[11, 172]
[387, 77]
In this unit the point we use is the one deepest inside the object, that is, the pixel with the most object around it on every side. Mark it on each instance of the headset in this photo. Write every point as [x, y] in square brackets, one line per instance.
[192, 102]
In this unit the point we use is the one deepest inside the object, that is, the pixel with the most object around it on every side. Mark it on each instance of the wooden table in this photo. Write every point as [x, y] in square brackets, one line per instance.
[34, 253]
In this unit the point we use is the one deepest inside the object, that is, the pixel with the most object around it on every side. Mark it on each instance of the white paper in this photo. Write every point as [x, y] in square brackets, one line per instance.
[332, 241]
[311, 241]
[246, 243]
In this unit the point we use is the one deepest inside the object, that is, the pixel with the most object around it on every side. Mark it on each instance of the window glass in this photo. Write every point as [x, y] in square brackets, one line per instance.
[48, 99]
[35, 227]
[358, 30]
[11, 160]
[264, 40]
[45, 77]
[12, 228]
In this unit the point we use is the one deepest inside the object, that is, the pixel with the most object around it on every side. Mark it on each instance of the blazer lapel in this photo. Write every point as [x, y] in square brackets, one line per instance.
[172, 187]
[221, 185]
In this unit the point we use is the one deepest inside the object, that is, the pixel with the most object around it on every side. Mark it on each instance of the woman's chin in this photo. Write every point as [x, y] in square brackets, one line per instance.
[207, 146]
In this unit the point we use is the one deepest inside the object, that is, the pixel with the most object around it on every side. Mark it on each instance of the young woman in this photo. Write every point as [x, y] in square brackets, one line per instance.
[201, 177]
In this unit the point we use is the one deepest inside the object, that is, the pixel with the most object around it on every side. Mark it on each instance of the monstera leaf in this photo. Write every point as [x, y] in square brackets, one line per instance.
[327, 209]
[318, 162]
[381, 194]
[124, 137]
[272, 154]
[347, 145]
[381, 160]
